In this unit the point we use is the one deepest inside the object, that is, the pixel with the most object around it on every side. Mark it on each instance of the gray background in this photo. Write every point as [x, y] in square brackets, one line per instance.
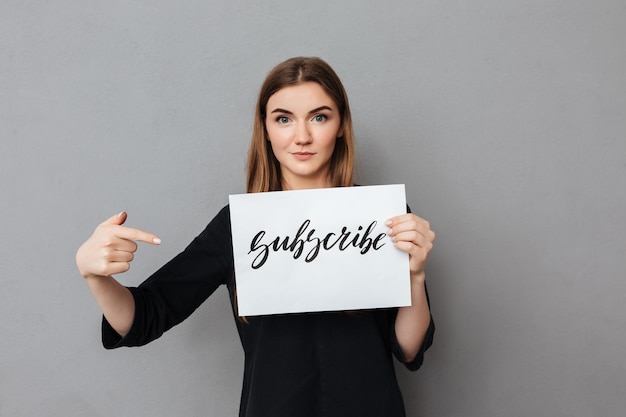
[505, 119]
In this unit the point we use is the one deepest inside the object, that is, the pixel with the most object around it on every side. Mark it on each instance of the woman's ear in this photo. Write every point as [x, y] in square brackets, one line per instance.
[340, 131]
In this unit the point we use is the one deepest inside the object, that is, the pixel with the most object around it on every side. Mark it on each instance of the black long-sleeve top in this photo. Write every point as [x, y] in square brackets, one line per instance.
[315, 364]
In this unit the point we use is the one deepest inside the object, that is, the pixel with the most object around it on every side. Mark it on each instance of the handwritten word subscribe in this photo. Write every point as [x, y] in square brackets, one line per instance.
[299, 243]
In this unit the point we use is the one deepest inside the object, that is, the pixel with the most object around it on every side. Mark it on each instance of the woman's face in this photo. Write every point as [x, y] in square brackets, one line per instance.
[302, 124]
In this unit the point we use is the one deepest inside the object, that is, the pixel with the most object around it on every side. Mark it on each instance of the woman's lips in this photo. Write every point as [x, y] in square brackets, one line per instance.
[303, 156]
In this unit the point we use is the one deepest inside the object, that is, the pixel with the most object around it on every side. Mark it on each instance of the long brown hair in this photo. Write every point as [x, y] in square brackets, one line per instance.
[263, 169]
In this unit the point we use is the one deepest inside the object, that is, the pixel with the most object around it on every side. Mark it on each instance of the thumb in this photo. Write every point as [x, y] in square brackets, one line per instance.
[118, 219]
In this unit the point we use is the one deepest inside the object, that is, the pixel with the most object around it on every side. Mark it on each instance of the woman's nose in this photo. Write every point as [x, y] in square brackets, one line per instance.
[303, 136]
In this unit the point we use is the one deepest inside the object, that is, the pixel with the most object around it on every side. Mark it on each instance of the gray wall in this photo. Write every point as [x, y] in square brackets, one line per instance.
[505, 119]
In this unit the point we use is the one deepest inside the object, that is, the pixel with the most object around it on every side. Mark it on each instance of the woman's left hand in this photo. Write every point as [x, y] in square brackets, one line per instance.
[413, 235]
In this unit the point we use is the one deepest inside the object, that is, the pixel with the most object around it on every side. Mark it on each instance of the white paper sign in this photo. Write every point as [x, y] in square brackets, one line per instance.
[318, 250]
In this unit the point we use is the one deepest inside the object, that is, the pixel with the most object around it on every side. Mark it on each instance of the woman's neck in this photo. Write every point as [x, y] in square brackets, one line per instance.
[303, 184]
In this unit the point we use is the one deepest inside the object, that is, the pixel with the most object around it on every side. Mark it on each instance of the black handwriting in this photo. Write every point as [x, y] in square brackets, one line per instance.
[304, 237]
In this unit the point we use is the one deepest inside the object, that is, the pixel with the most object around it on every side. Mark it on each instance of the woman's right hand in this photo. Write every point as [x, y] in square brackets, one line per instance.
[111, 248]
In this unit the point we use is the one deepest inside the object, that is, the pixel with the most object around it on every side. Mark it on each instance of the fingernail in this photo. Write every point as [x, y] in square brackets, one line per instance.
[156, 241]
[388, 222]
[121, 214]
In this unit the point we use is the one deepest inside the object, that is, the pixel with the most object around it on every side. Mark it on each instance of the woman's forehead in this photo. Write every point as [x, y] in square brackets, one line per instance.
[304, 96]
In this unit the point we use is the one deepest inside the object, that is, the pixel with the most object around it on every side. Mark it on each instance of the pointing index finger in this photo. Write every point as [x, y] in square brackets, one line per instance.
[137, 235]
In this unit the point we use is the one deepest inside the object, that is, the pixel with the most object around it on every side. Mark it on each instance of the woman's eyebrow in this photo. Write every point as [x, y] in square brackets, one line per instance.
[320, 109]
[279, 110]
[315, 110]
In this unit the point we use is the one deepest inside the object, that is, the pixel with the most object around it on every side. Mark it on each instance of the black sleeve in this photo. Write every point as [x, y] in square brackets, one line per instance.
[176, 290]
[416, 363]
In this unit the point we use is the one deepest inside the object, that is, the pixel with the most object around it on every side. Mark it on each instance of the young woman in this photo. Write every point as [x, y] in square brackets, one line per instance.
[316, 364]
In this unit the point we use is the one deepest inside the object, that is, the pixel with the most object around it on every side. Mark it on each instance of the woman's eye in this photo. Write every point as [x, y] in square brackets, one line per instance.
[319, 118]
[282, 119]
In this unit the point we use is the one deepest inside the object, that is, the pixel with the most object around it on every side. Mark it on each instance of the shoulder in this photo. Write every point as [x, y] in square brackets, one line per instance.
[223, 215]
[222, 218]
[218, 228]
